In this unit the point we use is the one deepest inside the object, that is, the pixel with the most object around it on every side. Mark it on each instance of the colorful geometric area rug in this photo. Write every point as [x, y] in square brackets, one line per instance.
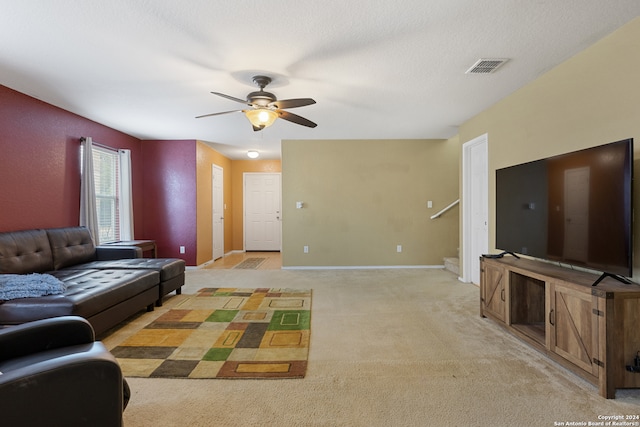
[250, 263]
[224, 333]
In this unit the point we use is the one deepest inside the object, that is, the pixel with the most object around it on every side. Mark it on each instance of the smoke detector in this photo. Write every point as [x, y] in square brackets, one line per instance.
[486, 65]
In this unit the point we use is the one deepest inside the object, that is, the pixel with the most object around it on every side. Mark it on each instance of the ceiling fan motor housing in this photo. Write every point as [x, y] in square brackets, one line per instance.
[261, 98]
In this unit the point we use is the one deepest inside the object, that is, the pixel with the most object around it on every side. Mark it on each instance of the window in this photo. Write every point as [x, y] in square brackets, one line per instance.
[106, 175]
[105, 172]
[106, 205]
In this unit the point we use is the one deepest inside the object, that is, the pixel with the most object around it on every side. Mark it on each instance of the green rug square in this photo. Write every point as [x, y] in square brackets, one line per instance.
[290, 320]
[222, 316]
[217, 354]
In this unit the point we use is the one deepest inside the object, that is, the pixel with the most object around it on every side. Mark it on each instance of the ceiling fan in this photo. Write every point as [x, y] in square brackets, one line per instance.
[266, 108]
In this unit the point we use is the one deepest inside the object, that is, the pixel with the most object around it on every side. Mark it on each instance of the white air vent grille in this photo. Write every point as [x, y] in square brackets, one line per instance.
[486, 65]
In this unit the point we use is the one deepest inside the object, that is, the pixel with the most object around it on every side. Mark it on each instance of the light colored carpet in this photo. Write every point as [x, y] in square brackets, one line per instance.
[397, 347]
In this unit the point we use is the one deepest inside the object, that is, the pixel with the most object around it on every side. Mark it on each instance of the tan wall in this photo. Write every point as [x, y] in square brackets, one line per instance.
[591, 99]
[362, 198]
[205, 158]
[239, 167]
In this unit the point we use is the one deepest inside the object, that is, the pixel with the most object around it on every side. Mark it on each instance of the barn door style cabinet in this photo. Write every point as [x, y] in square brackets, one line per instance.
[593, 331]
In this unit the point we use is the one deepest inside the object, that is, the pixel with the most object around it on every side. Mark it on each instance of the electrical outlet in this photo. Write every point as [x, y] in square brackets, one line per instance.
[399, 248]
[305, 249]
[182, 249]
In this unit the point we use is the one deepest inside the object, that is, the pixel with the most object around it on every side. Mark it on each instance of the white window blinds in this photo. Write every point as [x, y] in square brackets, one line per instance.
[106, 178]
[109, 202]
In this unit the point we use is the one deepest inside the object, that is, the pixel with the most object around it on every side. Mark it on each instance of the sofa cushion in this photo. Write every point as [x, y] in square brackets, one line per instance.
[70, 246]
[23, 252]
[99, 290]
[69, 274]
[167, 267]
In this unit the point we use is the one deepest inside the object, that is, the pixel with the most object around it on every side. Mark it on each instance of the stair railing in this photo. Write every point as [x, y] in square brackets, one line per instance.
[445, 209]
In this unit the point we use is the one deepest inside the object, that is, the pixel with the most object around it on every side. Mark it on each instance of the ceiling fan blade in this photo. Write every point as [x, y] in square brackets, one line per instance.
[232, 98]
[294, 118]
[292, 103]
[218, 114]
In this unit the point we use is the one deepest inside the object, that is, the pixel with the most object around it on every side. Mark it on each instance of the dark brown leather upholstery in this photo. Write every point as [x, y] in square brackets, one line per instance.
[167, 267]
[96, 290]
[71, 246]
[171, 271]
[23, 252]
[88, 292]
[55, 374]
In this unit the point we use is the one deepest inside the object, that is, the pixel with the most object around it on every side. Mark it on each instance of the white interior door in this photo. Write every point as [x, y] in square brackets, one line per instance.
[262, 207]
[218, 211]
[475, 213]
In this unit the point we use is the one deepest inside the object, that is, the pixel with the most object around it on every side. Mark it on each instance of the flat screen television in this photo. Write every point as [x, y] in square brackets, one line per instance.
[574, 208]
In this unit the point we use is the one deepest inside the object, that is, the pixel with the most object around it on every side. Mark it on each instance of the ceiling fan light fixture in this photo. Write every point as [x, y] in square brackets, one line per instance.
[253, 154]
[261, 117]
[266, 108]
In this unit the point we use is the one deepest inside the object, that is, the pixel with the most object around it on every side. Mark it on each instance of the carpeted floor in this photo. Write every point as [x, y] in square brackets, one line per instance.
[396, 347]
[223, 333]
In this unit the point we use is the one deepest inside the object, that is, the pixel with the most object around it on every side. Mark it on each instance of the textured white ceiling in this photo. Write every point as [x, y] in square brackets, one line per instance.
[378, 69]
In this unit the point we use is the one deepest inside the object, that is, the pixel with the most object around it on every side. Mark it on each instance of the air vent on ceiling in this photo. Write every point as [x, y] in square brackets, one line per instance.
[486, 65]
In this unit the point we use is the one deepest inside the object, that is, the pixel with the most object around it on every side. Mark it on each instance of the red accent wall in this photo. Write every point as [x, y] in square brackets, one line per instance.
[40, 163]
[170, 197]
[40, 174]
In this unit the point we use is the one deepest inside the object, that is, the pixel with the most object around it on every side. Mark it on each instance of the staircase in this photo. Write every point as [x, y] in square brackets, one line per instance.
[452, 265]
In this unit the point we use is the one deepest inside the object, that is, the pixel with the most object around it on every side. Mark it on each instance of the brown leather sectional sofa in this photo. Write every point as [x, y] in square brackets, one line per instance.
[104, 284]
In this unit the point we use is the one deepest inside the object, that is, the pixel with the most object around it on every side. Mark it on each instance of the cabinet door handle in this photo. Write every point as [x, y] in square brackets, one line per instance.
[552, 318]
[502, 294]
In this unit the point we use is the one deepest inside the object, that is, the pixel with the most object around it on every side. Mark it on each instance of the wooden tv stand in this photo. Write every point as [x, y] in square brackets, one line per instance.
[594, 331]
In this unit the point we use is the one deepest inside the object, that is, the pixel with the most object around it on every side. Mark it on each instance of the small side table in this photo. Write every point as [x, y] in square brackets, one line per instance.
[145, 245]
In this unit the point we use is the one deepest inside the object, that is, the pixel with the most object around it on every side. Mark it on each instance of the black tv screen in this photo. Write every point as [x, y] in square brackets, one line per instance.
[574, 208]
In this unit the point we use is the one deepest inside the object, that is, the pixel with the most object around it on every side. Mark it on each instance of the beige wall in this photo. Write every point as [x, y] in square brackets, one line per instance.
[591, 99]
[362, 198]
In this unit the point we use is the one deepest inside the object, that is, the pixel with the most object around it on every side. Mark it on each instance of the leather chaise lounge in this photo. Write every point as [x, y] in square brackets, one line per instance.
[171, 272]
[104, 284]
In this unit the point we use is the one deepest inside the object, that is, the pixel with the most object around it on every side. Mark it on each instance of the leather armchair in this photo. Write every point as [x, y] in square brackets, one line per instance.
[54, 373]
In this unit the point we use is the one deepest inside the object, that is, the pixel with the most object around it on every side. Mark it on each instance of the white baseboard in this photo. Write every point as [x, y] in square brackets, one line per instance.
[357, 267]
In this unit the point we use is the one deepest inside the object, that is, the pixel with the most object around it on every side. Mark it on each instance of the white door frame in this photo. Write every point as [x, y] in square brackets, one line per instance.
[474, 242]
[219, 197]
